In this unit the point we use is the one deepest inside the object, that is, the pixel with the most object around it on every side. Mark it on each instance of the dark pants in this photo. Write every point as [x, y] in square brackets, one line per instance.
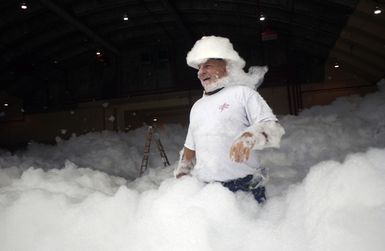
[246, 184]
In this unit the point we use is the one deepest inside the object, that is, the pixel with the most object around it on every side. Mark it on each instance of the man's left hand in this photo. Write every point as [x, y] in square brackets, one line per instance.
[240, 150]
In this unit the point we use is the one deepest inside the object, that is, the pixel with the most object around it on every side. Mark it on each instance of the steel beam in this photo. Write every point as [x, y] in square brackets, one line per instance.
[79, 25]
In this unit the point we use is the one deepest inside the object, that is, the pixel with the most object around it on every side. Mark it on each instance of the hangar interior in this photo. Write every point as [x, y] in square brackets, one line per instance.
[92, 65]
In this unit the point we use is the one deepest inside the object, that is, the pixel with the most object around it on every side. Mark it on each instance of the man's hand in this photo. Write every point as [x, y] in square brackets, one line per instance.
[240, 150]
[185, 164]
[184, 167]
[179, 175]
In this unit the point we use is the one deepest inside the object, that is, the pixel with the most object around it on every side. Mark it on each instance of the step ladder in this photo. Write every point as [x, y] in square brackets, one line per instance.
[152, 132]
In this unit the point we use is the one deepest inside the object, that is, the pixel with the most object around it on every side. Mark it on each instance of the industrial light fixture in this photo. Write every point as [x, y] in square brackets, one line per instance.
[125, 17]
[377, 10]
[262, 17]
[336, 65]
[23, 6]
[101, 57]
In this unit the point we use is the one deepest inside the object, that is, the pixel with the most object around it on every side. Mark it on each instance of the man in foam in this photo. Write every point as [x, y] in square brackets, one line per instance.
[229, 122]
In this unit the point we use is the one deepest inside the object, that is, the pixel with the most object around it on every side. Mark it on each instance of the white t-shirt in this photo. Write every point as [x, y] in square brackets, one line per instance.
[215, 122]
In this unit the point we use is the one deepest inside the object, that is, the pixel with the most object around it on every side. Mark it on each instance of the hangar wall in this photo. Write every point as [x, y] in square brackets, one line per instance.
[130, 113]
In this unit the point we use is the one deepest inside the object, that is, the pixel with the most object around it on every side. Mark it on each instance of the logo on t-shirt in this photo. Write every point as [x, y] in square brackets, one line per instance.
[223, 106]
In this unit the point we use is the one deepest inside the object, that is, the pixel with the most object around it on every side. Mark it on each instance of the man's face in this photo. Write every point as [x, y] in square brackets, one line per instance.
[212, 70]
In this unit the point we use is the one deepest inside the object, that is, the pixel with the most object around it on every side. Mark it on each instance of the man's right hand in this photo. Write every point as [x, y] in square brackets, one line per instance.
[184, 167]
[179, 175]
[185, 164]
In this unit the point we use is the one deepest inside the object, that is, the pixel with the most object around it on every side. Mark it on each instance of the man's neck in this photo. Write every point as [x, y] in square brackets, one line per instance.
[213, 92]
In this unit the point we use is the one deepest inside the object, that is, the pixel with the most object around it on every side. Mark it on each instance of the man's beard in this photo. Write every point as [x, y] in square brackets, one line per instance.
[236, 76]
[222, 82]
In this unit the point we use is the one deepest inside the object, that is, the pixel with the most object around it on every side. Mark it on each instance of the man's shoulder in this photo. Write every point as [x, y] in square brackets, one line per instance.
[241, 91]
[197, 103]
[240, 88]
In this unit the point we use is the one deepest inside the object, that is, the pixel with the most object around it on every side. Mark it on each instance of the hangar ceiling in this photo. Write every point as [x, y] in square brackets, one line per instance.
[48, 49]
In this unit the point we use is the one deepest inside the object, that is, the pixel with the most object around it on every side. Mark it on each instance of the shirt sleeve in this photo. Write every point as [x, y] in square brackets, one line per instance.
[189, 143]
[257, 110]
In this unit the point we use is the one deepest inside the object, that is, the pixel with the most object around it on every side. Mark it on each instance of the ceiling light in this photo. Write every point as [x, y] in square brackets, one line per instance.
[125, 17]
[262, 17]
[336, 65]
[98, 53]
[23, 5]
[5, 104]
[377, 11]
